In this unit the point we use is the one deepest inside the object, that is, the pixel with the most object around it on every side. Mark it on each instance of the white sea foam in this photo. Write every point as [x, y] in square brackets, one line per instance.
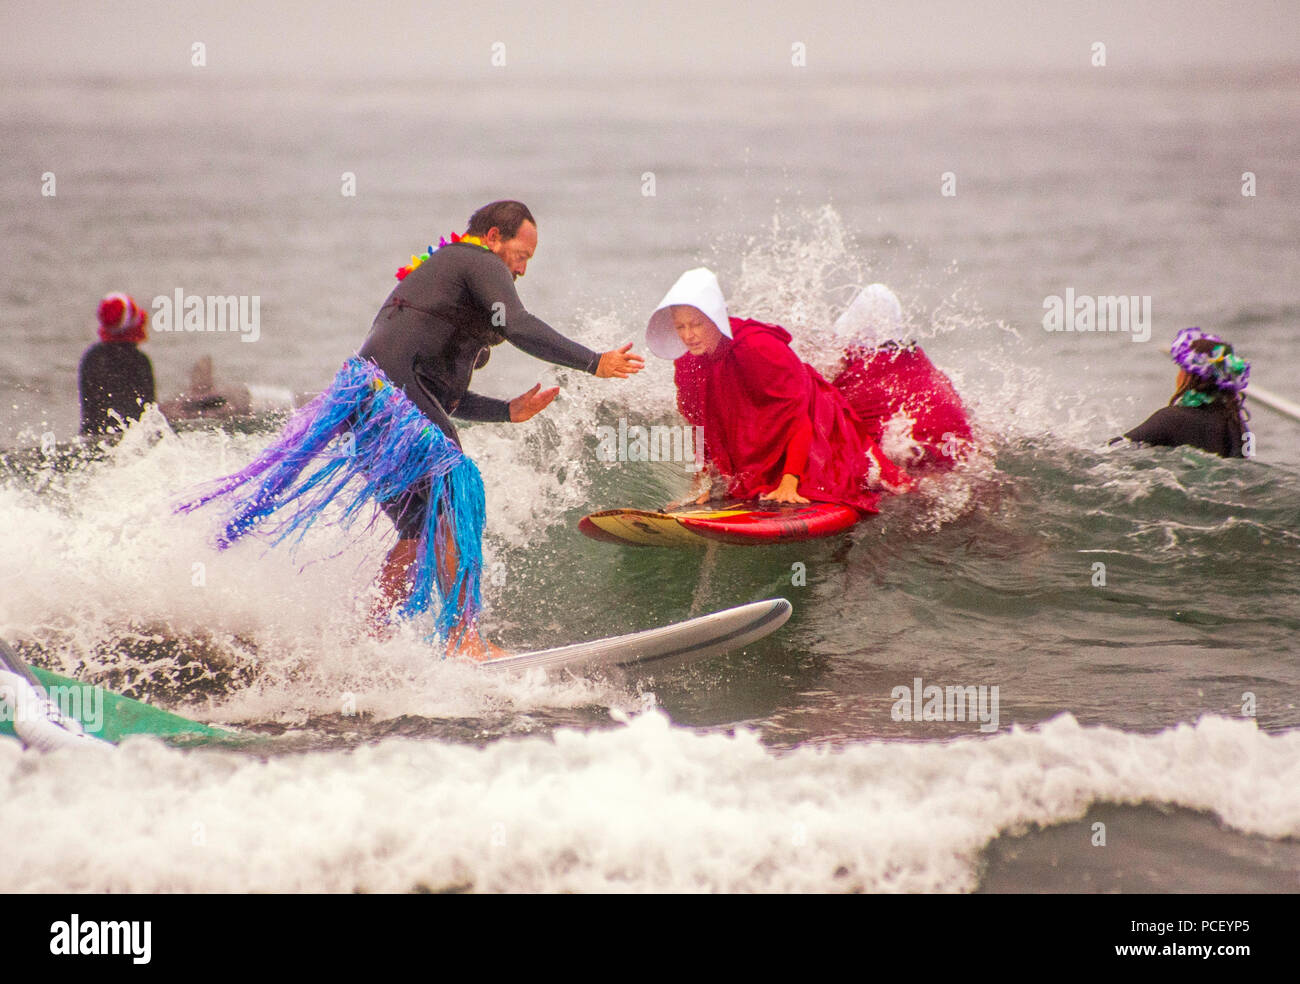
[99, 556]
[643, 807]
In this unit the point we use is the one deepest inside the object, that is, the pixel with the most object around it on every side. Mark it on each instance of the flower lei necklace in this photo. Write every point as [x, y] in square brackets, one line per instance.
[444, 241]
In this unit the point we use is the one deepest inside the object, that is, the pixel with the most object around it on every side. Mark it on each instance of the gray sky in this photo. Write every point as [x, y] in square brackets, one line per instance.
[419, 38]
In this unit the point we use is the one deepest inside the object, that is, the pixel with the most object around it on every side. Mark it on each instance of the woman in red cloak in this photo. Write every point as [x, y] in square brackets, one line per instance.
[773, 427]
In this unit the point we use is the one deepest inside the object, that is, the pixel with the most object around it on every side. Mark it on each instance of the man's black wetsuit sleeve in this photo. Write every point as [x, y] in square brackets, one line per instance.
[487, 409]
[491, 284]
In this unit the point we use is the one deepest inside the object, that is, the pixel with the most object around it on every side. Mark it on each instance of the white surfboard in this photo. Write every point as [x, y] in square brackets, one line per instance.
[657, 649]
[1280, 404]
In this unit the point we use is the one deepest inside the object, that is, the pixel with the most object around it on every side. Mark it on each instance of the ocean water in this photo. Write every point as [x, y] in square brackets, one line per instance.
[1158, 695]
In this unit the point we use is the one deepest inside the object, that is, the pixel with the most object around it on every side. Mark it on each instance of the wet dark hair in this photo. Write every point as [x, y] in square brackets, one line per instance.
[505, 215]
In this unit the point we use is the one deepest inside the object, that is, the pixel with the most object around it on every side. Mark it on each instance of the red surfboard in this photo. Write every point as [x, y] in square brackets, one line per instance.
[741, 523]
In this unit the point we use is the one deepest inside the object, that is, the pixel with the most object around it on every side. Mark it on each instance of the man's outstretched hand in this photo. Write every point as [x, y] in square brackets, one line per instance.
[531, 403]
[619, 362]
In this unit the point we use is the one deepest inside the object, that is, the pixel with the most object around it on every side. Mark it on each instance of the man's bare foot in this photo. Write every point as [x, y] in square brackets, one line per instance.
[466, 643]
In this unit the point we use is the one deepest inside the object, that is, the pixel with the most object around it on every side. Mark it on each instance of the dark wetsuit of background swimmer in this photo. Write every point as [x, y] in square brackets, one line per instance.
[438, 326]
[116, 380]
[1215, 428]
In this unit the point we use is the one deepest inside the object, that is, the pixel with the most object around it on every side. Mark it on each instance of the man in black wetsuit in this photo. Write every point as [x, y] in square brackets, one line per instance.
[115, 378]
[439, 325]
[1207, 410]
[382, 430]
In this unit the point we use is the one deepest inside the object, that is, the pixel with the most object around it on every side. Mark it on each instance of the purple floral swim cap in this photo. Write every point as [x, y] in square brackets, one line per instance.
[1220, 366]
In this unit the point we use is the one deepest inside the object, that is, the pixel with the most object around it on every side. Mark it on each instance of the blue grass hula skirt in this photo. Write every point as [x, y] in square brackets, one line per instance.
[368, 443]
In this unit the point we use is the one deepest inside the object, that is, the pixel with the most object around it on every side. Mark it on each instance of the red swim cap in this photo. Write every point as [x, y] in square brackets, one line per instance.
[121, 319]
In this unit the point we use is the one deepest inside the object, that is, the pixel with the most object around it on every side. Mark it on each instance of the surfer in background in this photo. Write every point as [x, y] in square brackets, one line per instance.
[115, 378]
[1208, 408]
[386, 422]
[886, 377]
[203, 399]
[773, 427]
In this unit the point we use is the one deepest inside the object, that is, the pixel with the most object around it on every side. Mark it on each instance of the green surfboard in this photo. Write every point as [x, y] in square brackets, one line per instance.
[111, 717]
